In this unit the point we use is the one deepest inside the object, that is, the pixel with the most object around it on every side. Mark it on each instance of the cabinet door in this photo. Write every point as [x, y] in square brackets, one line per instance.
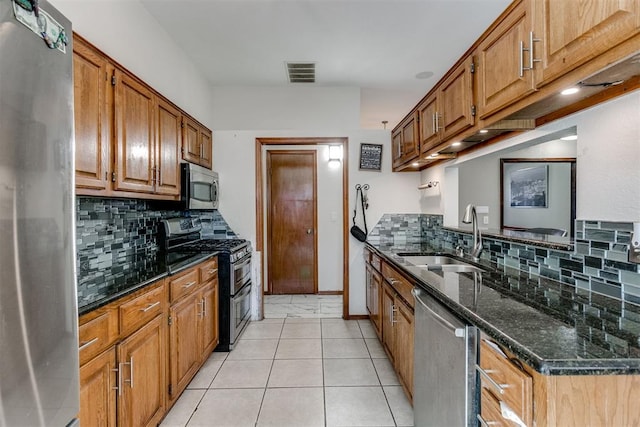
[135, 139]
[184, 343]
[501, 79]
[403, 350]
[396, 147]
[190, 140]
[456, 100]
[97, 394]
[388, 312]
[91, 115]
[428, 127]
[168, 141]
[573, 32]
[209, 319]
[376, 302]
[368, 290]
[142, 362]
[206, 148]
[410, 139]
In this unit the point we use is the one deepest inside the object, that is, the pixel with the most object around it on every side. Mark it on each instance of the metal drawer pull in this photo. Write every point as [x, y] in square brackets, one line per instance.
[86, 344]
[394, 310]
[144, 310]
[485, 374]
[484, 423]
[201, 304]
[213, 271]
[188, 285]
[204, 307]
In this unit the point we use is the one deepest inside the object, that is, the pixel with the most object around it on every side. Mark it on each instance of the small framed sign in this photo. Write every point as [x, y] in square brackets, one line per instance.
[371, 157]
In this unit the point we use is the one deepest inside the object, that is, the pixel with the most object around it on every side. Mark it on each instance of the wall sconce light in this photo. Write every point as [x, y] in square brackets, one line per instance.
[335, 155]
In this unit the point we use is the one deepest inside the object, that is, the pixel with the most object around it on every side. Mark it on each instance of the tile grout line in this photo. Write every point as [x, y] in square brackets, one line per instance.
[266, 385]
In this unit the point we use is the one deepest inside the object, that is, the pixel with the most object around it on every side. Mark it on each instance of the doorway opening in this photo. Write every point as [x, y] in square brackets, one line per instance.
[263, 155]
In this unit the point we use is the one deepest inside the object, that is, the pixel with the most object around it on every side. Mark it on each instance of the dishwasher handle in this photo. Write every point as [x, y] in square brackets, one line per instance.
[458, 332]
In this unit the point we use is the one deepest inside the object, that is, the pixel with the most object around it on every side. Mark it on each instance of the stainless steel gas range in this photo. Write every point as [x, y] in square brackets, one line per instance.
[184, 246]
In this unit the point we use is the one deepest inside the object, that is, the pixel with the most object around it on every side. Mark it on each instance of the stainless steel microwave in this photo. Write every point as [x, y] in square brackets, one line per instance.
[200, 188]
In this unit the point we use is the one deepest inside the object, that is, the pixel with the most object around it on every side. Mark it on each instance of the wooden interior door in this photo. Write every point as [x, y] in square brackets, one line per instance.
[292, 222]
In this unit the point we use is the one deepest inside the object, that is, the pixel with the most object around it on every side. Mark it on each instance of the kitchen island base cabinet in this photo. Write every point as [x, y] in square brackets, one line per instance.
[554, 400]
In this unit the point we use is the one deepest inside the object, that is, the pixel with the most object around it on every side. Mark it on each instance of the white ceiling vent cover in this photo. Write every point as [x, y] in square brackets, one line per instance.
[301, 72]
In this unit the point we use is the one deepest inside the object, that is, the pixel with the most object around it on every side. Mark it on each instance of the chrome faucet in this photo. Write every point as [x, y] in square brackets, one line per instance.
[470, 217]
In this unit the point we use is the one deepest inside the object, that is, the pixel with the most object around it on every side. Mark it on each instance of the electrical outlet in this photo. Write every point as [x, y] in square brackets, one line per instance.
[485, 219]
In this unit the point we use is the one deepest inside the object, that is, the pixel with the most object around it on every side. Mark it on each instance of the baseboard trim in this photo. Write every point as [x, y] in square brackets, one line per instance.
[329, 292]
[359, 317]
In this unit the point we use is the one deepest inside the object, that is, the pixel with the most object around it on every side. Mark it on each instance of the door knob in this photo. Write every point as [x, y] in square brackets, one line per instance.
[309, 231]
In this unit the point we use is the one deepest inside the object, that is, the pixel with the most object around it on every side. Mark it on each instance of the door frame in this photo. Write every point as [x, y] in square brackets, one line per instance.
[314, 154]
[260, 177]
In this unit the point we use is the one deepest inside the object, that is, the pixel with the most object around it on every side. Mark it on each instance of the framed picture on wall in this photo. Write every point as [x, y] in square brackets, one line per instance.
[529, 187]
[371, 157]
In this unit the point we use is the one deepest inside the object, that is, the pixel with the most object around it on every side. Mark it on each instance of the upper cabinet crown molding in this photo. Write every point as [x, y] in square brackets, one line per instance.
[534, 50]
[129, 138]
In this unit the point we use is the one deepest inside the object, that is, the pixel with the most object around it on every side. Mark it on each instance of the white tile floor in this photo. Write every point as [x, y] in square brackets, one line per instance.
[302, 306]
[300, 372]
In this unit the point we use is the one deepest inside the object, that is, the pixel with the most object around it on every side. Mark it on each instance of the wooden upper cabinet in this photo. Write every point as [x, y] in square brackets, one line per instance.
[206, 148]
[429, 134]
[135, 137]
[196, 143]
[456, 100]
[168, 140]
[450, 109]
[574, 32]
[91, 117]
[502, 76]
[406, 141]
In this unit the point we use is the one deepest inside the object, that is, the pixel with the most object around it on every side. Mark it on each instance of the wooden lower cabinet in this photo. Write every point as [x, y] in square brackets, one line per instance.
[397, 333]
[183, 343]
[208, 326]
[553, 400]
[97, 395]
[142, 366]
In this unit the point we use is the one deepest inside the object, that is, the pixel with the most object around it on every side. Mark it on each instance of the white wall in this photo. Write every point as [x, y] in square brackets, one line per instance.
[125, 31]
[608, 161]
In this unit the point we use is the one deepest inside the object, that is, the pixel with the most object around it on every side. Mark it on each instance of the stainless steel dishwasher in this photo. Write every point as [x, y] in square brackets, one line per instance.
[446, 349]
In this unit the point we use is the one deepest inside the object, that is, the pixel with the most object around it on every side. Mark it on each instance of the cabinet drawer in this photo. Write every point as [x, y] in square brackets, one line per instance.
[141, 309]
[506, 382]
[97, 334]
[399, 283]
[375, 261]
[490, 414]
[366, 254]
[208, 270]
[183, 284]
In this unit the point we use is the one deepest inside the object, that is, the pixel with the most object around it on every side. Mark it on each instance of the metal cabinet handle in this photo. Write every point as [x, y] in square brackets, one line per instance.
[86, 344]
[521, 58]
[392, 313]
[213, 271]
[484, 423]
[150, 306]
[118, 380]
[499, 387]
[434, 125]
[188, 285]
[204, 307]
[437, 128]
[130, 380]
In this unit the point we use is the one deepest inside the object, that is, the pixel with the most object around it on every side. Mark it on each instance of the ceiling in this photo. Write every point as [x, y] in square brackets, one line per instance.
[376, 45]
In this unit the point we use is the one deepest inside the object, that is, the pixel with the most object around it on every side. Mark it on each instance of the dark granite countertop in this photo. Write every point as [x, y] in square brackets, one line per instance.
[519, 236]
[555, 328]
[128, 274]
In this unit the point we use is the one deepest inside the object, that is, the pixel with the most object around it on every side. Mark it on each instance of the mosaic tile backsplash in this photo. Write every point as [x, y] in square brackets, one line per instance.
[597, 264]
[123, 233]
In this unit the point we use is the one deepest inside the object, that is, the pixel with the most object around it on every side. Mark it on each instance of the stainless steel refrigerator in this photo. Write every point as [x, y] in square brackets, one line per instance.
[39, 383]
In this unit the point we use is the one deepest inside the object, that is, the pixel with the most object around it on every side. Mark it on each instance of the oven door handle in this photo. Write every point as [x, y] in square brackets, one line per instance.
[238, 266]
[244, 292]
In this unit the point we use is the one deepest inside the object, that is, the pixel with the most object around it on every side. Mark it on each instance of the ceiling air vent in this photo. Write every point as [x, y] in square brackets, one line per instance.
[301, 72]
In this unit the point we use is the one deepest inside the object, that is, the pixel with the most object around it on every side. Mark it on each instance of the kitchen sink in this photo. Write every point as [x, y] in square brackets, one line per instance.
[441, 263]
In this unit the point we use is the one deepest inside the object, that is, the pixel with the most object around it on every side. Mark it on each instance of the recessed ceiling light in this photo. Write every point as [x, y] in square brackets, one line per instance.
[569, 138]
[484, 131]
[424, 75]
[570, 91]
[415, 164]
[456, 144]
